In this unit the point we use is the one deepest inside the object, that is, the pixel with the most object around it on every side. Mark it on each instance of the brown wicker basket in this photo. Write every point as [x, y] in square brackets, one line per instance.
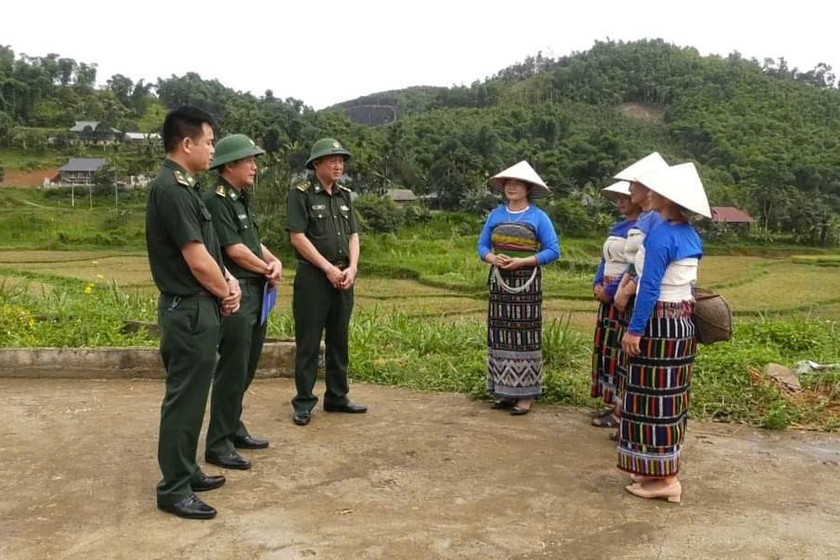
[712, 317]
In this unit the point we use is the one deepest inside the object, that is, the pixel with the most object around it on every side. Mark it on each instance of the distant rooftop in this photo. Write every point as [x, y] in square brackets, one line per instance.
[142, 136]
[77, 165]
[731, 215]
[81, 126]
[402, 195]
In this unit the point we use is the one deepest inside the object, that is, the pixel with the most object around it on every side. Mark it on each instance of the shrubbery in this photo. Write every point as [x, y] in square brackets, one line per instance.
[383, 215]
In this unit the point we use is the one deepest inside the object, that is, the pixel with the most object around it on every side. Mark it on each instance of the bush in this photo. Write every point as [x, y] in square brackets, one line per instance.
[379, 215]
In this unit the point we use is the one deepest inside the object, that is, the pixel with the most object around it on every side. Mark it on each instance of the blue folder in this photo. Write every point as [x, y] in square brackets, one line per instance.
[268, 302]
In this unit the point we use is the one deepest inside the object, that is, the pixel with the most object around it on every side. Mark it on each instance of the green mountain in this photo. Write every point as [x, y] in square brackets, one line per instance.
[763, 135]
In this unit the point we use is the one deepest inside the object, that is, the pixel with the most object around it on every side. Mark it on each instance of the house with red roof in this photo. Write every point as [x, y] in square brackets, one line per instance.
[733, 218]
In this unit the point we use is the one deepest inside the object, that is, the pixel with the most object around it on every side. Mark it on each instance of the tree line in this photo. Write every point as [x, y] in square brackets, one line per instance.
[762, 133]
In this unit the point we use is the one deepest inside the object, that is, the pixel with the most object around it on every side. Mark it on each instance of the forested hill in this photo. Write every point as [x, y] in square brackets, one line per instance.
[765, 136]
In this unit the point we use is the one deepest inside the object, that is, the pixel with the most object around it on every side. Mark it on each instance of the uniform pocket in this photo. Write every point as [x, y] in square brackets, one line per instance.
[206, 317]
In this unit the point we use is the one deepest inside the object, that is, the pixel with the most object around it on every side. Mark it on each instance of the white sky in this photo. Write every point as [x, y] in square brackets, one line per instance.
[326, 51]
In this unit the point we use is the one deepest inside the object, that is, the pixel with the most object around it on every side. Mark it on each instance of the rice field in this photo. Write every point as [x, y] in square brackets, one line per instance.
[755, 286]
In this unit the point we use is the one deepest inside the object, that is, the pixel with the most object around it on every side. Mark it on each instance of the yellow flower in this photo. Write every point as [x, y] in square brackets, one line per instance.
[100, 276]
[89, 289]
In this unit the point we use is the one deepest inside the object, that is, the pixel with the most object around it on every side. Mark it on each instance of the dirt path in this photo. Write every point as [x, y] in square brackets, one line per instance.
[422, 476]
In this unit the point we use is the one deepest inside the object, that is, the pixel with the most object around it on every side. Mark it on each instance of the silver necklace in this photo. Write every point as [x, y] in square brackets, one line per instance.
[518, 213]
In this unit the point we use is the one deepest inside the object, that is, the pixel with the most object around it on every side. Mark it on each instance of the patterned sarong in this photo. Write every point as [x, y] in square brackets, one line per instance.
[609, 329]
[654, 403]
[514, 320]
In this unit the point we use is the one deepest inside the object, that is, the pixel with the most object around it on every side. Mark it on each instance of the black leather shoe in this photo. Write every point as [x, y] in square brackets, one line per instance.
[348, 407]
[232, 461]
[206, 483]
[301, 417]
[249, 442]
[190, 507]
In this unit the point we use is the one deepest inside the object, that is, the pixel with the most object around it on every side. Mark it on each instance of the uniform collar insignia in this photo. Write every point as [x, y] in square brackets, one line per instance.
[183, 178]
[220, 190]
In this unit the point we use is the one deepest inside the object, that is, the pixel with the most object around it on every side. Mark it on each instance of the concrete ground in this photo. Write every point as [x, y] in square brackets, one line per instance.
[421, 476]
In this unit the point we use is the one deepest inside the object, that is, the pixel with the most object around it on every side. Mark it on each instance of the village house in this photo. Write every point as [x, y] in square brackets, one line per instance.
[402, 197]
[80, 171]
[140, 137]
[733, 219]
[95, 132]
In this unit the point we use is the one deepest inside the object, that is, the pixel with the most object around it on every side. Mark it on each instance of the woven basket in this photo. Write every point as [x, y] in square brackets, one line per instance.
[712, 317]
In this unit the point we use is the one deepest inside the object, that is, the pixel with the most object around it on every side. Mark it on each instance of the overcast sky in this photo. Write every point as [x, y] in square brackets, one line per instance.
[326, 51]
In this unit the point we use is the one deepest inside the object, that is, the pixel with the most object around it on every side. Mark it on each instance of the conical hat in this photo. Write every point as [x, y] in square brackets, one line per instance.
[613, 191]
[680, 184]
[522, 171]
[647, 164]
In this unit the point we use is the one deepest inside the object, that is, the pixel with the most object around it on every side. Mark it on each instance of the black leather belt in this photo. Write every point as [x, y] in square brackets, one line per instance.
[340, 265]
[252, 281]
[201, 294]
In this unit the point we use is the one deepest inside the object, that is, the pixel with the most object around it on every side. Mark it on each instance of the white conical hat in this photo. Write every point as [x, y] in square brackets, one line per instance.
[647, 164]
[620, 188]
[522, 171]
[680, 184]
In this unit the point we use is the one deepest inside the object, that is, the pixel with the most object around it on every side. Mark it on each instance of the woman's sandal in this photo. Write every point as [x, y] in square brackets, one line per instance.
[671, 492]
[519, 411]
[503, 404]
[605, 422]
[601, 412]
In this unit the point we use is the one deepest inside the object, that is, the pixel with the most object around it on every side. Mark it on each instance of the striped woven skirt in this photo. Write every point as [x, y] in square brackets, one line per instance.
[609, 328]
[656, 392]
[514, 336]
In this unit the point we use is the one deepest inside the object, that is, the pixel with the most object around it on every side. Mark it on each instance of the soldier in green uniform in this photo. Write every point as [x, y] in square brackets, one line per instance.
[243, 333]
[195, 290]
[324, 231]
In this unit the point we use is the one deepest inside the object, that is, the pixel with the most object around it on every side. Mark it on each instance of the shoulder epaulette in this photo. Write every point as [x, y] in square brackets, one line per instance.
[342, 187]
[303, 187]
[220, 190]
[181, 179]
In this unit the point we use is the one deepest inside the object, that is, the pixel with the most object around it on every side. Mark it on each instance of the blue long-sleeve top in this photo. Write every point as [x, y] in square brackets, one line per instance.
[537, 218]
[620, 229]
[647, 220]
[665, 243]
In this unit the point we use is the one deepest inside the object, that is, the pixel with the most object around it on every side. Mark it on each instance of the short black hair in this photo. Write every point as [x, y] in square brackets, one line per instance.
[185, 122]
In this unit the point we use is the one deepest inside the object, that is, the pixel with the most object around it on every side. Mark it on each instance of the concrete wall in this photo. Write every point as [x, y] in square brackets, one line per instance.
[278, 359]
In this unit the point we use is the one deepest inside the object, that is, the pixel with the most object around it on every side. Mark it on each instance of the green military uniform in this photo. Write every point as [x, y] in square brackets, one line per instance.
[189, 319]
[242, 333]
[328, 221]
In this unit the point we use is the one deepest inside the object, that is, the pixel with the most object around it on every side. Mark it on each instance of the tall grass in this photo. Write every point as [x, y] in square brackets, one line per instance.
[78, 314]
[419, 320]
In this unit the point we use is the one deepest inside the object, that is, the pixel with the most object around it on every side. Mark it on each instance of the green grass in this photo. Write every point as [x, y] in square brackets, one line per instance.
[421, 304]
[45, 219]
[18, 158]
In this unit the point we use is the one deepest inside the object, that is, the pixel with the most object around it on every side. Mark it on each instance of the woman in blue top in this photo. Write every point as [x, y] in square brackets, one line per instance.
[518, 238]
[660, 343]
[609, 326]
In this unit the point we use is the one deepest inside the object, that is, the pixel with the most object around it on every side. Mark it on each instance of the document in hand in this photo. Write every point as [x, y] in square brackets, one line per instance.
[268, 302]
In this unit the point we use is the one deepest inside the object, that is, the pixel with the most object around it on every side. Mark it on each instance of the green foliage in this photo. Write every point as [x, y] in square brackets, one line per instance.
[76, 315]
[763, 134]
[45, 219]
[723, 388]
[382, 215]
[379, 214]
[389, 346]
